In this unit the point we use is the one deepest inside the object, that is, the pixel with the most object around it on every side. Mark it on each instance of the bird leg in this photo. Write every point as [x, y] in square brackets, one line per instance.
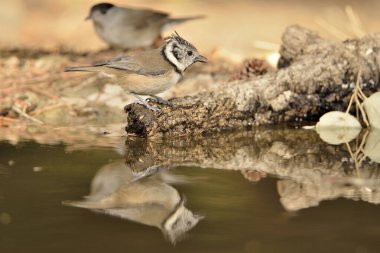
[147, 172]
[159, 100]
[144, 103]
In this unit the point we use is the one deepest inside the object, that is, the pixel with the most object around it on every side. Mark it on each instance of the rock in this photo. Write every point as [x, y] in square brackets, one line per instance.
[372, 146]
[337, 120]
[338, 127]
[372, 108]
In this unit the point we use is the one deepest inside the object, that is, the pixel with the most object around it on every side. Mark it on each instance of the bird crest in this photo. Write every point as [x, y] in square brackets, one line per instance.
[176, 37]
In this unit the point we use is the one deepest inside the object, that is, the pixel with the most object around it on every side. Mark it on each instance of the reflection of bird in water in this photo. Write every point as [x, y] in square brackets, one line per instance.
[148, 200]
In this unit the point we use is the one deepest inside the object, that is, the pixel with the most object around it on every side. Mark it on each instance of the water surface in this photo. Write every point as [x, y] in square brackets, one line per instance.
[281, 190]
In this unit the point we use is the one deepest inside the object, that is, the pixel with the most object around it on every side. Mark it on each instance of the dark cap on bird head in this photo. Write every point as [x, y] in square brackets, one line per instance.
[102, 7]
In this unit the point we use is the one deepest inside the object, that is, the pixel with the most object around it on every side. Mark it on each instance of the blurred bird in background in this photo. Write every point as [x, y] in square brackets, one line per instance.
[129, 28]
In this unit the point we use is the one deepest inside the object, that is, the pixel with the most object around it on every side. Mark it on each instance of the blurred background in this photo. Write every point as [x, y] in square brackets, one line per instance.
[237, 26]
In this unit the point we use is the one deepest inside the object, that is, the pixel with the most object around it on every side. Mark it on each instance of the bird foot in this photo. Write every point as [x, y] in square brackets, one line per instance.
[152, 108]
[159, 100]
[146, 173]
[141, 101]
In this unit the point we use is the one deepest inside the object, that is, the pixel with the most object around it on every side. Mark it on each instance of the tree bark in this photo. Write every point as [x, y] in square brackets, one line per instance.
[315, 75]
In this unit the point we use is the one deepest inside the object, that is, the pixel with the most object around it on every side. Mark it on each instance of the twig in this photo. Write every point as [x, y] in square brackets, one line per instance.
[331, 29]
[353, 157]
[36, 79]
[50, 95]
[355, 22]
[85, 82]
[361, 155]
[265, 45]
[25, 115]
[2, 118]
[44, 109]
[350, 103]
[353, 96]
[355, 25]
[364, 140]
[359, 104]
[361, 93]
[5, 121]
[357, 95]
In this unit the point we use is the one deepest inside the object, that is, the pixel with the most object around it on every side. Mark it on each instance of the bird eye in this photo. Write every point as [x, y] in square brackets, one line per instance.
[189, 53]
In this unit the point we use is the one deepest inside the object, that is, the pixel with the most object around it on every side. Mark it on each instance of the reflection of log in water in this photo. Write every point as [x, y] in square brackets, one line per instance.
[314, 170]
[149, 201]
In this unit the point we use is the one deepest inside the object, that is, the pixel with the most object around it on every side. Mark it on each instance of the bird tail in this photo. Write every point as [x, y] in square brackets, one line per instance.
[84, 204]
[82, 68]
[175, 21]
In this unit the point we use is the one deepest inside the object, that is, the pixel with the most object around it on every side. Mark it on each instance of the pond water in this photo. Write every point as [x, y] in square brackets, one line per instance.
[282, 190]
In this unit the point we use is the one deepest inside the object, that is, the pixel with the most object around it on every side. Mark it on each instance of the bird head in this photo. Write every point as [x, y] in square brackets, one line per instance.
[98, 11]
[181, 53]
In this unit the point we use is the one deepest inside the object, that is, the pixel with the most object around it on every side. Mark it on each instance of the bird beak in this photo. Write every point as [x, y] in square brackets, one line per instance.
[88, 17]
[201, 58]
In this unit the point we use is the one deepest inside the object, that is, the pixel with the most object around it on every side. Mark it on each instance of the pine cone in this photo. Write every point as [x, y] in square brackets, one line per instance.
[251, 68]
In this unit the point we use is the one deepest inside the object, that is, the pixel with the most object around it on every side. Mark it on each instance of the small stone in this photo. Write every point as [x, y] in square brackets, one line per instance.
[37, 169]
[12, 61]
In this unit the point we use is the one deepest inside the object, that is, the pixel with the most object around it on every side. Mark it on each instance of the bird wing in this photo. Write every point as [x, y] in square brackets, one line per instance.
[140, 18]
[145, 63]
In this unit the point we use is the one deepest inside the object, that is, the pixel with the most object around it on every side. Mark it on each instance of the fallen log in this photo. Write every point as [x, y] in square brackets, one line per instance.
[315, 75]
